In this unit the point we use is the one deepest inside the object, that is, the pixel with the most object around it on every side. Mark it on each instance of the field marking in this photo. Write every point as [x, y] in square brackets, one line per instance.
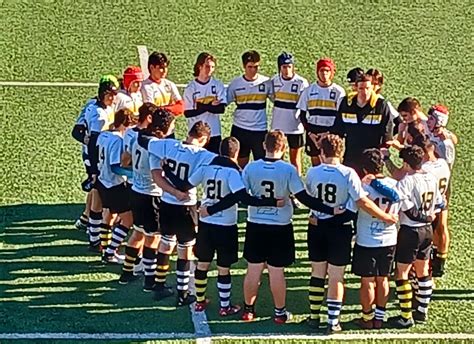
[181, 335]
[143, 58]
[56, 84]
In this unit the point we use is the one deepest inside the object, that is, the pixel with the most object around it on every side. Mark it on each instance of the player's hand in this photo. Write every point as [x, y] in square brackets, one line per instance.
[431, 218]
[94, 178]
[395, 144]
[313, 220]
[368, 179]
[391, 219]
[315, 138]
[203, 212]
[280, 202]
[86, 139]
[181, 196]
[215, 102]
[163, 162]
[339, 210]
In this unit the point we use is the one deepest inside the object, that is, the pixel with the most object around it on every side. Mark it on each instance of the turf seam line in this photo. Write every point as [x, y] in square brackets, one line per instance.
[180, 335]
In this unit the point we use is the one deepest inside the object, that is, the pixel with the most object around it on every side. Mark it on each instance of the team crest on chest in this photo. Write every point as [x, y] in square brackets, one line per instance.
[294, 88]
[213, 90]
[167, 88]
[332, 95]
[261, 88]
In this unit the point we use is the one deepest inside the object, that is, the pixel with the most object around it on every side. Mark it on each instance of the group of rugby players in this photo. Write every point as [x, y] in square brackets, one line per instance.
[142, 184]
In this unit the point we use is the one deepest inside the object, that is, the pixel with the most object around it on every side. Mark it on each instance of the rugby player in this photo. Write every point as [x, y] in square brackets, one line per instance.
[130, 96]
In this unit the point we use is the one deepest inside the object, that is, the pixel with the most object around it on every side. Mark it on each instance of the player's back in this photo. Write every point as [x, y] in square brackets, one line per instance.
[269, 178]
[421, 189]
[97, 118]
[219, 179]
[440, 169]
[183, 159]
[372, 232]
[334, 185]
[109, 144]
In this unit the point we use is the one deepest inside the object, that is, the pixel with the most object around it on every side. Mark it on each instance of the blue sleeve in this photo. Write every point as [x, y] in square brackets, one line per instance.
[384, 190]
[122, 171]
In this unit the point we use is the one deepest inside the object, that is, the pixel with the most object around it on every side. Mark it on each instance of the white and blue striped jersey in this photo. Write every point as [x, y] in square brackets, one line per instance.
[372, 232]
[110, 145]
[142, 180]
[197, 92]
[285, 96]
[419, 190]
[250, 97]
[272, 179]
[218, 181]
[183, 159]
[334, 185]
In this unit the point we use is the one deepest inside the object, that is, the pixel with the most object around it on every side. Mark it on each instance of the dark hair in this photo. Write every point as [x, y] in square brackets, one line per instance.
[200, 129]
[250, 56]
[332, 146]
[372, 161]
[229, 147]
[123, 117]
[275, 140]
[377, 77]
[157, 59]
[424, 142]
[161, 120]
[145, 110]
[364, 78]
[413, 156]
[415, 129]
[353, 74]
[201, 60]
[409, 105]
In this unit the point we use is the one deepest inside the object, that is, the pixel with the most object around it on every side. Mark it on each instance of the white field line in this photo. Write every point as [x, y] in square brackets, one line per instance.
[262, 336]
[143, 58]
[56, 84]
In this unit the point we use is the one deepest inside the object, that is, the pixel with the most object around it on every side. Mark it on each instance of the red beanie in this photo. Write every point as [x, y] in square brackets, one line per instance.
[326, 62]
[131, 74]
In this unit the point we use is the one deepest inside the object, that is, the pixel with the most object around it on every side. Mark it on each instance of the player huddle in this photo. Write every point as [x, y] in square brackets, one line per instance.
[143, 184]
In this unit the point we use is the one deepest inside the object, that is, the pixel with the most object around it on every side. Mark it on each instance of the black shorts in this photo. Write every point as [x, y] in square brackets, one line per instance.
[116, 198]
[271, 244]
[373, 261]
[295, 141]
[310, 148]
[330, 244]
[180, 221]
[145, 209]
[214, 144]
[250, 141]
[414, 243]
[213, 238]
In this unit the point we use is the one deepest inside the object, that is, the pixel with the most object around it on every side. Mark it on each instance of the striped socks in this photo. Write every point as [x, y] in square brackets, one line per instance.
[316, 296]
[379, 313]
[224, 285]
[404, 295]
[149, 262]
[200, 277]
[131, 254]
[95, 220]
[119, 233]
[423, 295]
[105, 235]
[334, 310]
[183, 272]
[162, 267]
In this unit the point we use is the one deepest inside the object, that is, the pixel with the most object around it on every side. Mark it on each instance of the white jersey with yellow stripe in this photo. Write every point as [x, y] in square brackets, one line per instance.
[285, 96]
[197, 92]
[250, 98]
[321, 104]
[161, 94]
[129, 101]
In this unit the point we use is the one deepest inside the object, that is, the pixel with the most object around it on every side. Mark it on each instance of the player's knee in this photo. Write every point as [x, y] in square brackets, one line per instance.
[185, 250]
[126, 219]
[205, 266]
[167, 244]
[152, 240]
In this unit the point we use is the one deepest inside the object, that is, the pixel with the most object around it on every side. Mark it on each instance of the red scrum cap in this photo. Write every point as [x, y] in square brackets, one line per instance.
[440, 113]
[131, 74]
[326, 62]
